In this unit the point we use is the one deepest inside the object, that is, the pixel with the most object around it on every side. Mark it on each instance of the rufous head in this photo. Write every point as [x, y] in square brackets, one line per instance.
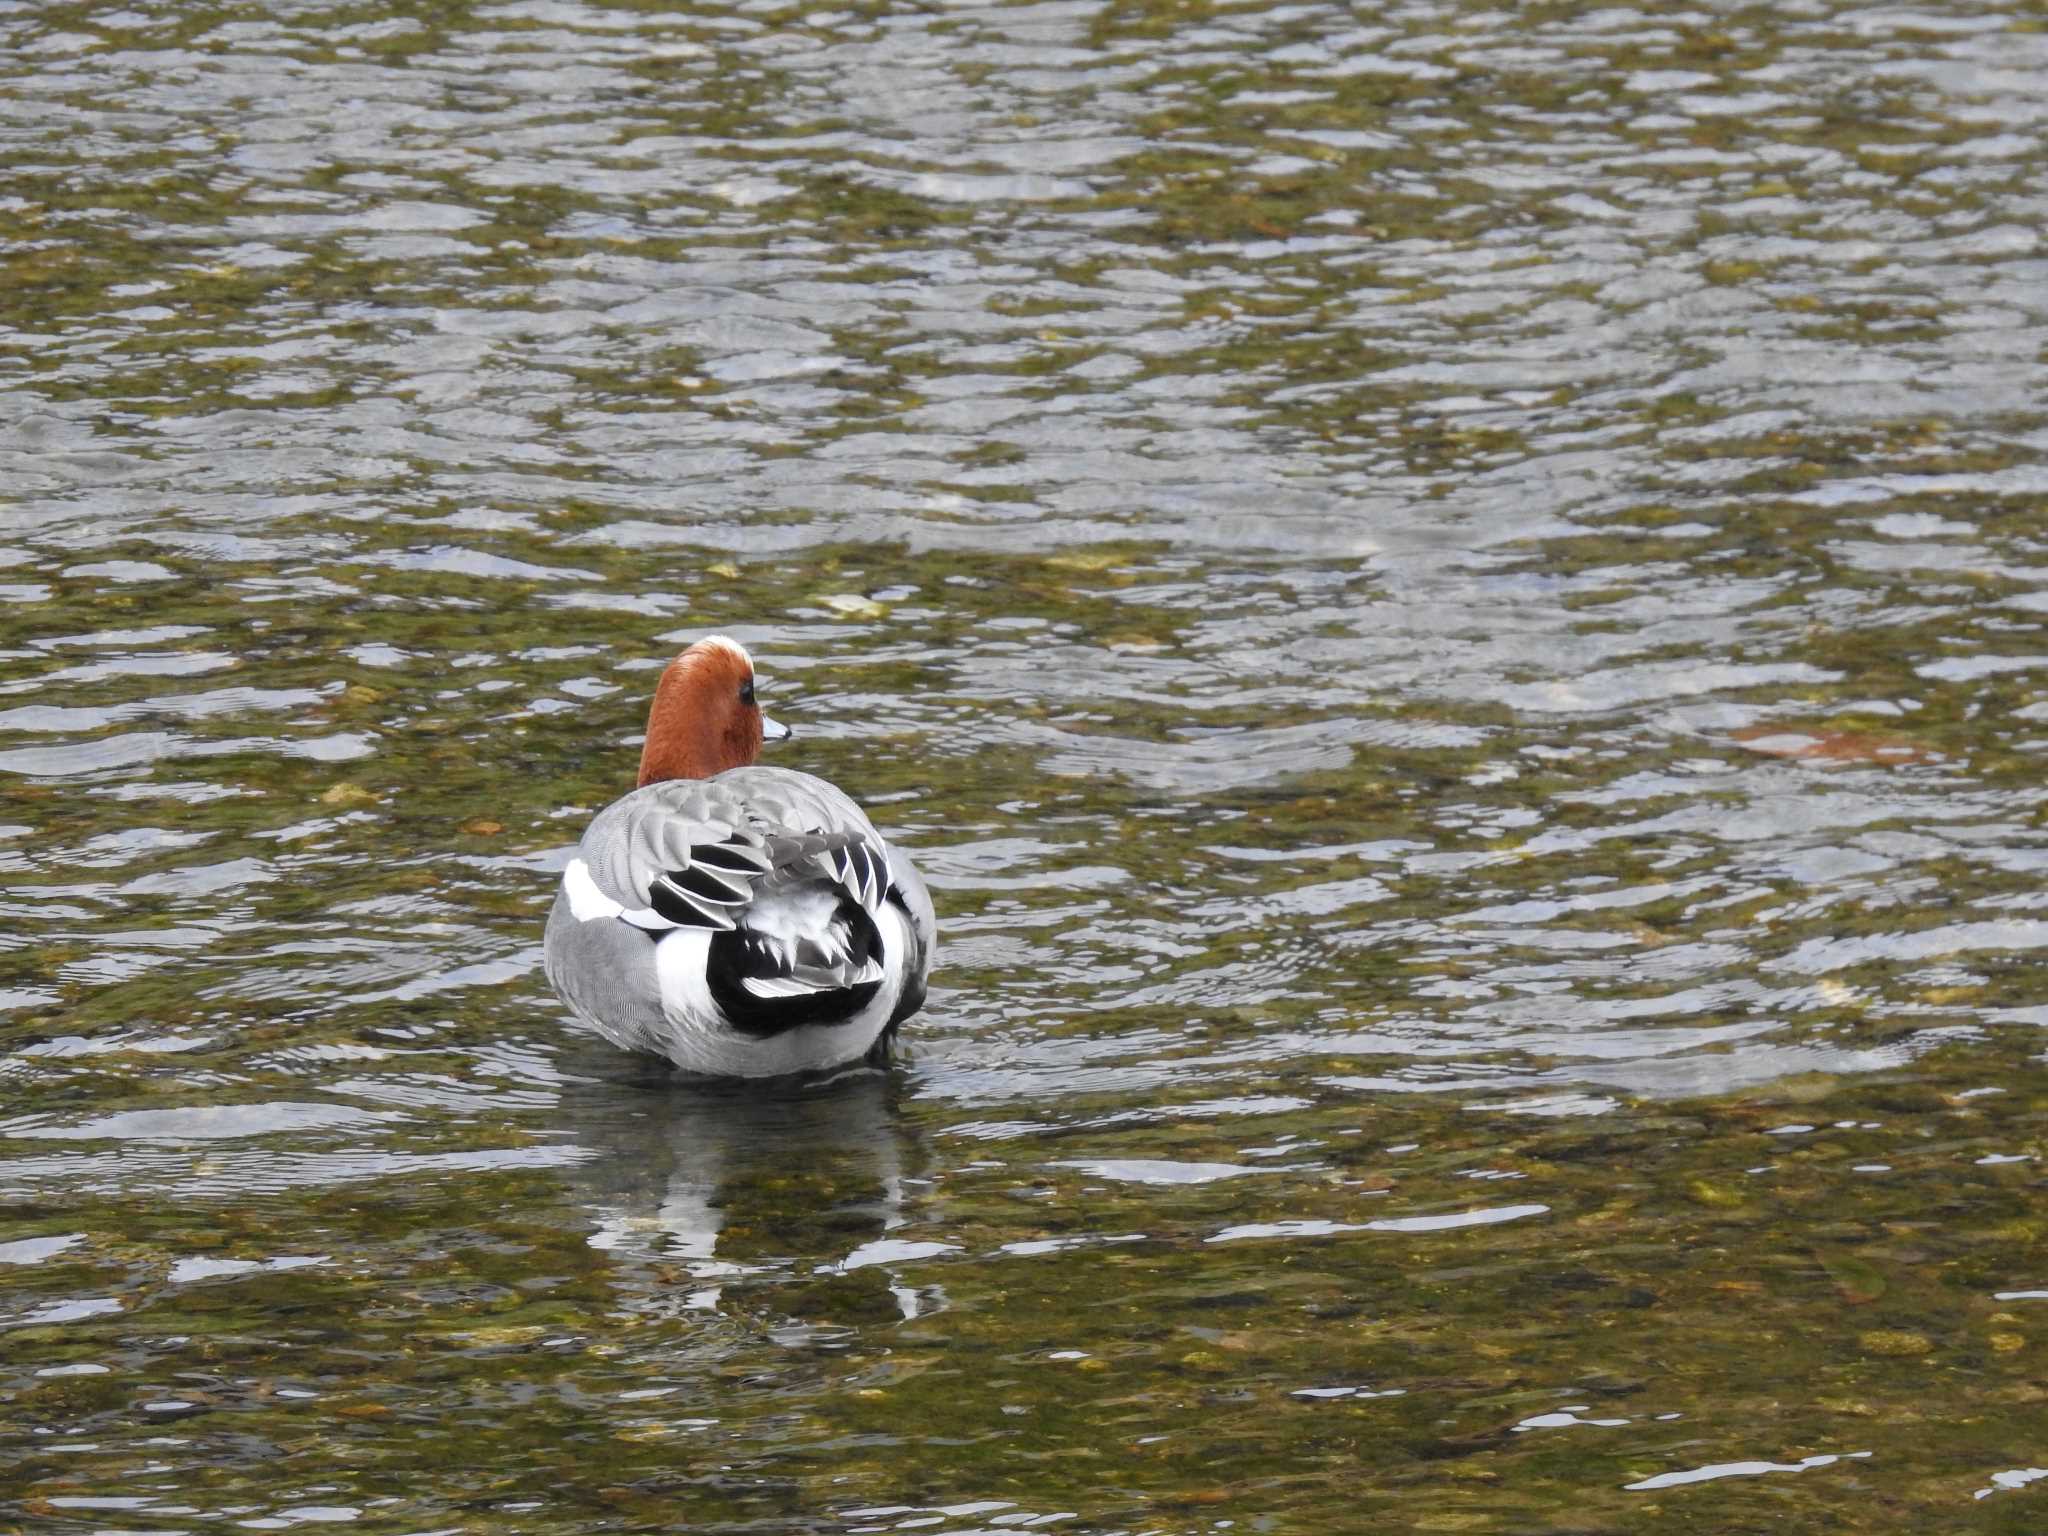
[704, 719]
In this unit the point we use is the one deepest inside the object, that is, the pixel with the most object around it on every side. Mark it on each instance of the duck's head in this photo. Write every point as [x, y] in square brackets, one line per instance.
[704, 719]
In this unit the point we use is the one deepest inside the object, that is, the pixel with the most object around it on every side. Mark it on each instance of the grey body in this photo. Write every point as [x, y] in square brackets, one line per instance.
[627, 945]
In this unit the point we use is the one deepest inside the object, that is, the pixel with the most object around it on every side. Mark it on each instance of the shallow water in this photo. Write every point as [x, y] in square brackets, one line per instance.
[1451, 602]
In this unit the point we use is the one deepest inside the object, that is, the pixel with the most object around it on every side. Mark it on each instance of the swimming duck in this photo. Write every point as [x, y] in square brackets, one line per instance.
[741, 921]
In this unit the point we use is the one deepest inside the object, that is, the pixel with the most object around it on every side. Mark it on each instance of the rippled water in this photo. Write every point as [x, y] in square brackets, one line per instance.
[1451, 600]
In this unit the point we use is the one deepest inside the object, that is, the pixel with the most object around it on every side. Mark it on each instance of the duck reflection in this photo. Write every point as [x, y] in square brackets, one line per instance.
[783, 1196]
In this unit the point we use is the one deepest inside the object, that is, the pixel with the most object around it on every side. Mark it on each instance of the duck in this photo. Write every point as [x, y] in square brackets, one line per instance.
[742, 921]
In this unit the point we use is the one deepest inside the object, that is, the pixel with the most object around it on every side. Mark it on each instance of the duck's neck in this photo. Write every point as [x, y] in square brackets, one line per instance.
[682, 742]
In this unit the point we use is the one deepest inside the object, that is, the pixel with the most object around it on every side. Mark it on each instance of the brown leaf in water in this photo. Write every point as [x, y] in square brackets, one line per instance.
[1833, 746]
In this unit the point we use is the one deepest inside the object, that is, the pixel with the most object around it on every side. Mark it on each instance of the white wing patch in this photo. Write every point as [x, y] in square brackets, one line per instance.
[588, 904]
[796, 986]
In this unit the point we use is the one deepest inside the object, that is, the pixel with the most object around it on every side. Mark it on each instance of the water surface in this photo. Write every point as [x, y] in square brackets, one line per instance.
[1451, 602]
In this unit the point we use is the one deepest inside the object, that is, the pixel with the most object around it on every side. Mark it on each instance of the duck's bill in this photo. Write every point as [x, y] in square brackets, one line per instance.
[774, 730]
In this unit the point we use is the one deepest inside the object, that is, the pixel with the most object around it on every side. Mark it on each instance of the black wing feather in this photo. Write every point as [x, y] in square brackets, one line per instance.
[739, 858]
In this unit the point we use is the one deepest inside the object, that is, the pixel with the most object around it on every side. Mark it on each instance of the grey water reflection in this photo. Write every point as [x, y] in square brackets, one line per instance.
[746, 1188]
[1450, 600]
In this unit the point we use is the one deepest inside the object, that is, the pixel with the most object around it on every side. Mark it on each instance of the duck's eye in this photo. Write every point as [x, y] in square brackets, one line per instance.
[747, 691]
